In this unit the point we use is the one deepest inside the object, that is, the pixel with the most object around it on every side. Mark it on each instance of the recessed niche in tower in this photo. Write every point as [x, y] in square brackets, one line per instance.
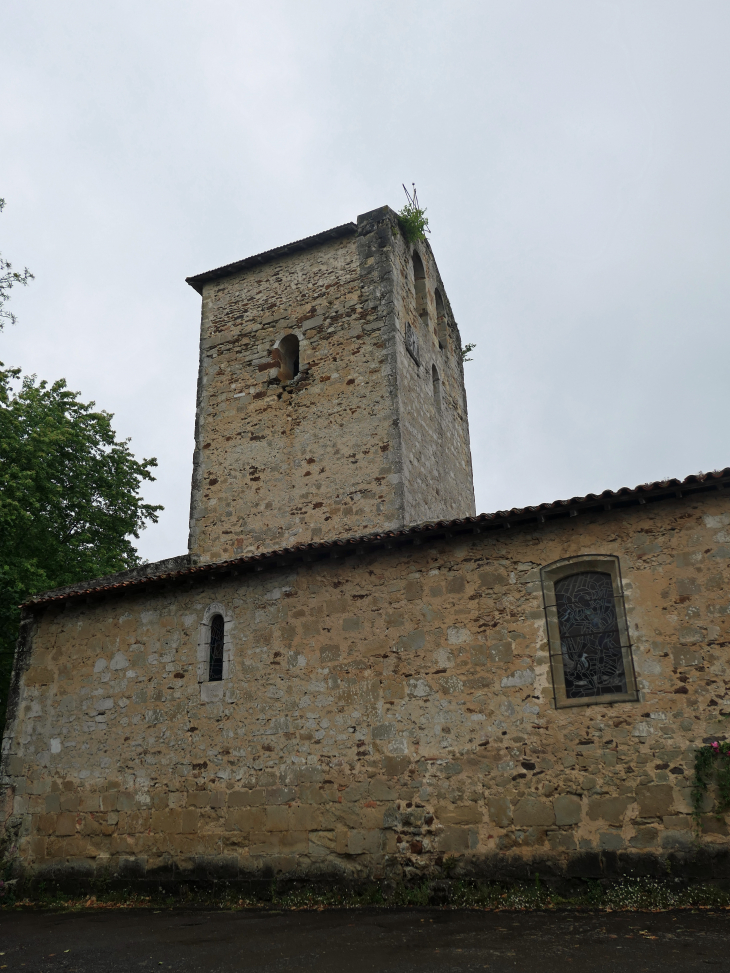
[436, 389]
[442, 328]
[419, 276]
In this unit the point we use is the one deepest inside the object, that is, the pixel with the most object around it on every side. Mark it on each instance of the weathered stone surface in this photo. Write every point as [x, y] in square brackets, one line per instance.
[266, 443]
[655, 800]
[532, 812]
[610, 809]
[567, 810]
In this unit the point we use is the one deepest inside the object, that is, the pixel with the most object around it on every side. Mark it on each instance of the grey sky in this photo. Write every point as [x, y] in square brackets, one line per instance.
[574, 158]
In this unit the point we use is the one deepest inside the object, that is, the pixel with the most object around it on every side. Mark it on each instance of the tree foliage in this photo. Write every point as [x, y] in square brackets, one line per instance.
[69, 498]
[8, 279]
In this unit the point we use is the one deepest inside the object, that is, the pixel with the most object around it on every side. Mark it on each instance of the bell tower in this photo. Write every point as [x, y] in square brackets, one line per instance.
[331, 394]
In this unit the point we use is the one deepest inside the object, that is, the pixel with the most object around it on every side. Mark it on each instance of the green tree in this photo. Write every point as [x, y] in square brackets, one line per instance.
[69, 498]
[8, 279]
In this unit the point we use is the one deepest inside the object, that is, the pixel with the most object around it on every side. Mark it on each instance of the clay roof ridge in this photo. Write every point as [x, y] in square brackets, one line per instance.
[672, 484]
[198, 280]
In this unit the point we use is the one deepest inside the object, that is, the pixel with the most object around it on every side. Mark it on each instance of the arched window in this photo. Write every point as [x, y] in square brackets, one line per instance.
[590, 651]
[288, 357]
[419, 276]
[436, 388]
[442, 328]
[215, 657]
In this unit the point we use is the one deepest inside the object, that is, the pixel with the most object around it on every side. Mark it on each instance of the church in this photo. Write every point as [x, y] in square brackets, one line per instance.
[351, 676]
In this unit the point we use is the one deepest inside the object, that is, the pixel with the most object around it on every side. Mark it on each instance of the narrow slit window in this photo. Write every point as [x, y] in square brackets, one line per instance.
[442, 328]
[590, 651]
[289, 358]
[436, 388]
[419, 277]
[215, 664]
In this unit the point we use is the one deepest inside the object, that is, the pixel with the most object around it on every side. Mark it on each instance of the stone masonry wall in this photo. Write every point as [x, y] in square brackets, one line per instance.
[384, 712]
[354, 445]
[437, 470]
[277, 465]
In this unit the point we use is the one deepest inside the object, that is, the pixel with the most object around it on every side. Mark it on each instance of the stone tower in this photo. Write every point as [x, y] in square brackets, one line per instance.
[331, 394]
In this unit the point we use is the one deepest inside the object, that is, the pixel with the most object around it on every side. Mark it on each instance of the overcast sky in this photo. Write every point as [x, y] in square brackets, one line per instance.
[574, 158]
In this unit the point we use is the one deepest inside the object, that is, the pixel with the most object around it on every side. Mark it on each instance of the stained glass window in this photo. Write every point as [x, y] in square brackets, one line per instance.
[590, 642]
[215, 665]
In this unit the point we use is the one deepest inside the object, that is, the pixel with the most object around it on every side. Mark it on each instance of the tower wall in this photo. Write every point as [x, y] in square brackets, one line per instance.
[437, 470]
[352, 444]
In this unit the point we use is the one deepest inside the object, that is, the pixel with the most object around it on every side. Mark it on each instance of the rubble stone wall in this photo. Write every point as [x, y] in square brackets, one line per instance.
[437, 470]
[353, 444]
[386, 714]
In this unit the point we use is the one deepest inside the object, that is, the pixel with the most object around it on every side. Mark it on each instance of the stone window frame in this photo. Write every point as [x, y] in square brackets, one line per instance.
[563, 568]
[216, 608]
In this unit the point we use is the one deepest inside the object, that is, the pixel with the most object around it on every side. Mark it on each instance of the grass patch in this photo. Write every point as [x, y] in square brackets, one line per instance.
[628, 895]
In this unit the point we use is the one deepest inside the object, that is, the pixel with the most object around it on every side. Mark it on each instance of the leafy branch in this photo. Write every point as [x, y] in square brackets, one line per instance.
[8, 279]
[466, 350]
[412, 219]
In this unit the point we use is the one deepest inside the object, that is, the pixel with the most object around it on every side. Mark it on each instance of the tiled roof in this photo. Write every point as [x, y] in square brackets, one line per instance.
[199, 280]
[544, 512]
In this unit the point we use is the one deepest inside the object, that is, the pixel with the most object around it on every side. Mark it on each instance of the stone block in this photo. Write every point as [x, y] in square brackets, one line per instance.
[70, 802]
[459, 814]
[280, 795]
[14, 766]
[37, 846]
[655, 800]
[276, 818]
[66, 824]
[293, 843]
[46, 823]
[126, 801]
[329, 653]
[713, 824]
[246, 819]
[356, 792]
[500, 811]
[610, 841]
[52, 802]
[248, 798]
[567, 809]
[684, 655]
[363, 842]
[382, 790]
[202, 798]
[109, 800]
[532, 812]
[168, 821]
[317, 794]
[610, 809]
[501, 652]
[190, 817]
[89, 802]
[454, 839]
[644, 838]
[279, 842]
[263, 843]
[677, 822]
[322, 843]
[395, 766]
[305, 817]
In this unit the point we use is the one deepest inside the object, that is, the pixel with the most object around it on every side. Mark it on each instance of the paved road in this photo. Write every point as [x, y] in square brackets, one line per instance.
[399, 941]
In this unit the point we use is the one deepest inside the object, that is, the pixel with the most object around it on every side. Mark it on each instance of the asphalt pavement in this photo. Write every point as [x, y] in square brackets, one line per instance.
[355, 941]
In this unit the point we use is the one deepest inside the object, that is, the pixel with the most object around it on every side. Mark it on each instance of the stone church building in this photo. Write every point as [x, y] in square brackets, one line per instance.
[351, 675]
